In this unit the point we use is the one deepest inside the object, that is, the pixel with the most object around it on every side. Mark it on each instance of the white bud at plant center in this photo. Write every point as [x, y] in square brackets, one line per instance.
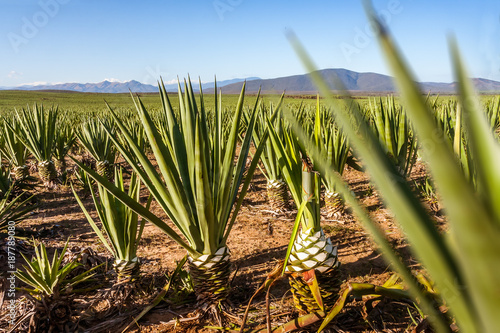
[209, 260]
[312, 251]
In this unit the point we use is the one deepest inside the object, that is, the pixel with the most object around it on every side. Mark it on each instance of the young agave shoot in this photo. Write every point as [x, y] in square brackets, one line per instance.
[311, 258]
[37, 133]
[121, 225]
[65, 139]
[277, 191]
[492, 110]
[99, 145]
[338, 150]
[51, 289]
[393, 129]
[334, 145]
[13, 148]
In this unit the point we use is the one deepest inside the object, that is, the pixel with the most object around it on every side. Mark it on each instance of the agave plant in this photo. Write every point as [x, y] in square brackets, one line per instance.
[305, 117]
[492, 109]
[449, 119]
[13, 149]
[37, 132]
[311, 258]
[197, 185]
[136, 130]
[15, 187]
[277, 191]
[13, 210]
[84, 180]
[445, 113]
[99, 144]
[47, 278]
[334, 145]
[64, 141]
[392, 128]
[51, 289]
[120, 225]
[470, 248]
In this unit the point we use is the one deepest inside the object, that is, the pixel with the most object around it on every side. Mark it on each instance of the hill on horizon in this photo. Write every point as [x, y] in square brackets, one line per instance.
[353, 81]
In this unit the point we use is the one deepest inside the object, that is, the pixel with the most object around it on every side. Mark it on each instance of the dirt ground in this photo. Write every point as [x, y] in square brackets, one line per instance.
[257, 242]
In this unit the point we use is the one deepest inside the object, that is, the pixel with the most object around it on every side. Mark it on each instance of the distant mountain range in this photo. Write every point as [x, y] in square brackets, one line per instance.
[353, 81]
[101, 87]
[297, 84]
[120, 87]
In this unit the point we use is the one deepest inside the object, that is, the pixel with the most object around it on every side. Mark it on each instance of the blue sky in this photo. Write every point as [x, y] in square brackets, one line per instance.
[92, 40]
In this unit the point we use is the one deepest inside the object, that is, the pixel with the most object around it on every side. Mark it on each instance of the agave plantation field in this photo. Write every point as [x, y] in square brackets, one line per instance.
[93, 103]
[198, 212]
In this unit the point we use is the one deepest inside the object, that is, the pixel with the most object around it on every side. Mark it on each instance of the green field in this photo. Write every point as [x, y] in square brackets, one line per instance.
[95, 102]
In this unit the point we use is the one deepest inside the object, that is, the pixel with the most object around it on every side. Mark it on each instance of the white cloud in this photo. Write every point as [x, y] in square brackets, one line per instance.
[14, 74]
[115, 80]
[38, 83]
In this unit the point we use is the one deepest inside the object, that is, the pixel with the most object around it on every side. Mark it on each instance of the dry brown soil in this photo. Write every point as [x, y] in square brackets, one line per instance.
[257, 242]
